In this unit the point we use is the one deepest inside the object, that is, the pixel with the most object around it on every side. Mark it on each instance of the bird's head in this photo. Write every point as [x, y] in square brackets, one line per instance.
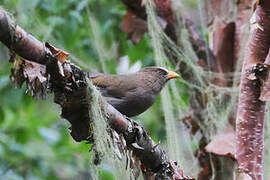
[158, 76]
[160, 72]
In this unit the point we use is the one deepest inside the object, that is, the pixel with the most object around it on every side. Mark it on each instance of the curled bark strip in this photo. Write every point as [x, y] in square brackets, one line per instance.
[32, 73]
[61, 55]
[69, 87]
[223, 40]
[251, 110]
[219, 15]
[134, 27]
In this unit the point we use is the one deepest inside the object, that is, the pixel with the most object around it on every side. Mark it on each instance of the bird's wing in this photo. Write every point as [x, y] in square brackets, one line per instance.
[111, 85]
[93, 76]
[98, 79]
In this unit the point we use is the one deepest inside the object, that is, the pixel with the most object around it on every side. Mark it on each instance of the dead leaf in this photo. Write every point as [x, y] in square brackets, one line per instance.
[33, 74]
[17, 75]
[224, 143]
[134, 27]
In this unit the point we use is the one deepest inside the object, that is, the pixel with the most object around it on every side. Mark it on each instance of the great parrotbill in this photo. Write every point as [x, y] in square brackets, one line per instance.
[132, 94]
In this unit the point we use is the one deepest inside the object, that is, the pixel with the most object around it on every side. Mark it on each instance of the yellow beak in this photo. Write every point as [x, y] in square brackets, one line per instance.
[172, 75]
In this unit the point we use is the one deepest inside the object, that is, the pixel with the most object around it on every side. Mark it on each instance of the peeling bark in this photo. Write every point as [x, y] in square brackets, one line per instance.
[251, 110]
[223, 41]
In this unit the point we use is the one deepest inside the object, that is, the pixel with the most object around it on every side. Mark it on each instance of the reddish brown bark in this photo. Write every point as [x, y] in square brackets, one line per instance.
[219, 15]
[251, 110]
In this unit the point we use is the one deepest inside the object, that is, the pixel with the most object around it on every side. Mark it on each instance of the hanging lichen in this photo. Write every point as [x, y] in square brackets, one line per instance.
[107, 147]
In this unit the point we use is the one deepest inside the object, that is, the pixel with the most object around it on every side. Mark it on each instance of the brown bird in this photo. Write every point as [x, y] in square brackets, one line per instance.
[132, 94]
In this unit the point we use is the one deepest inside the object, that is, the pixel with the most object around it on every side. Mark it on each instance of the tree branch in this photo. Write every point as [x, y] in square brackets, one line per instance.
[15, 38]
[70, 90]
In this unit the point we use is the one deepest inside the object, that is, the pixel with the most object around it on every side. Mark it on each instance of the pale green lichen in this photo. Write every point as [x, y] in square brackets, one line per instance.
[103, 143]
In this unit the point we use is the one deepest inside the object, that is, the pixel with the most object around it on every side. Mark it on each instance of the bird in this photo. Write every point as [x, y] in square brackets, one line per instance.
[132, 94]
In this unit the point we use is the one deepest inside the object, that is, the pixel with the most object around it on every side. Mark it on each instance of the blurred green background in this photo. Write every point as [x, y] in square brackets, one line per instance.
[34, 141]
